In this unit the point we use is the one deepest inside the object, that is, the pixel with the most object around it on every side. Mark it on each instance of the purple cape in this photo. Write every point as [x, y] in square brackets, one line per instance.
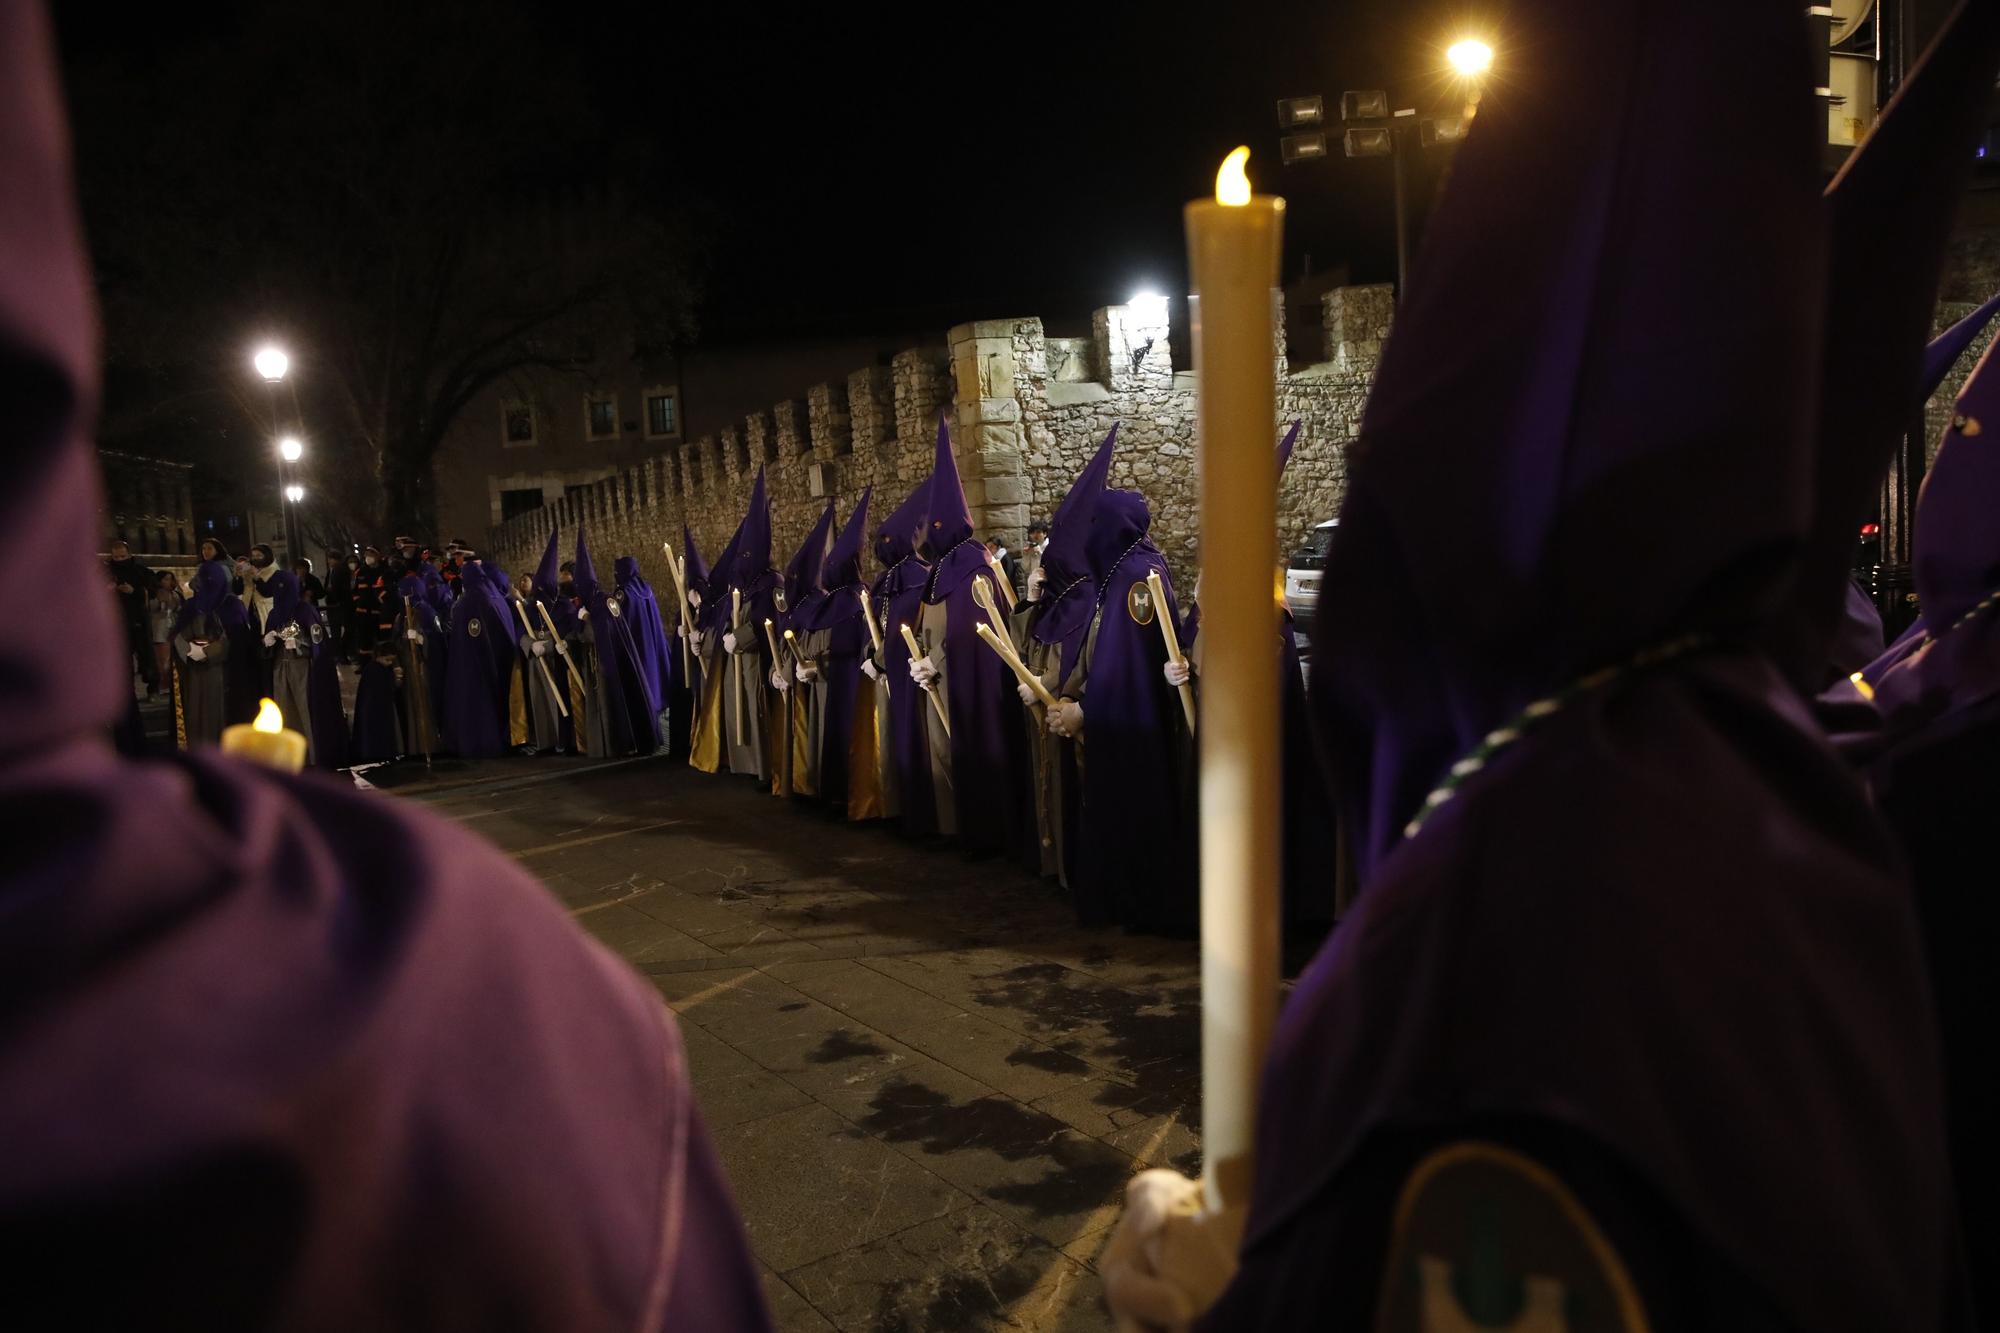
[474, 721]
[649, 635]
[280, 1053]
[837, 610]
[328, 722]
[1585, 935]
[1069, 590]
[898, 597]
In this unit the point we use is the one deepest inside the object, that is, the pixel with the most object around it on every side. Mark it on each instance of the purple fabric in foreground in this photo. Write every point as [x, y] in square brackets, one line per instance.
[279, 1053]
[1592, 933]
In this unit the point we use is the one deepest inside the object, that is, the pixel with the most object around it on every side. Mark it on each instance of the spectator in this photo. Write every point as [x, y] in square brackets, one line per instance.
[163, 603]
[369, 598]
[309, 585]
[131, 580]
[1004, 558]
[1031, 554]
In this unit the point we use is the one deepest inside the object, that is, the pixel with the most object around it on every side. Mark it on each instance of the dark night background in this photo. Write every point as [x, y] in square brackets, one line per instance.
[895, 166]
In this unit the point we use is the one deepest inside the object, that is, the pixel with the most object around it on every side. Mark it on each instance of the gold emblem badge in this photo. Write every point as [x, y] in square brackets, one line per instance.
[611, 605]
[778, 596]
[318, 633]
[1139, 603]
[472, 626]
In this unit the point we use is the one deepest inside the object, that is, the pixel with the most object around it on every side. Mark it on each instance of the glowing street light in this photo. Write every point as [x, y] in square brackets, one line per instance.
[271, 363]
[295, 493]
[1470, 57]
[290, 449]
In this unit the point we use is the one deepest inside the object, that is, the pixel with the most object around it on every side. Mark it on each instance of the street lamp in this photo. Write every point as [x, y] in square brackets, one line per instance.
[295, 494]
[1470, 57]
[290, 449]
[271, 363]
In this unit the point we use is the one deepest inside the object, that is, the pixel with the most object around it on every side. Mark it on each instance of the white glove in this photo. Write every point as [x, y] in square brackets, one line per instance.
[1027, 693]
[583, 613]
[271, 639]
[1035, 582]
[197, 653]
[1066, 718]
[923, 671]
[729, 641]
[540, 647]
[806, 672]
[779, 680]
[1177, 673]
[1168, 1261]
[414, 635]
[697, 642]
[869, 669]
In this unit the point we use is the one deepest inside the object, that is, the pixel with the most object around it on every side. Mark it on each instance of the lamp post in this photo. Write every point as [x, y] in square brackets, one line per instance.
[1371, 129]
[272, 365]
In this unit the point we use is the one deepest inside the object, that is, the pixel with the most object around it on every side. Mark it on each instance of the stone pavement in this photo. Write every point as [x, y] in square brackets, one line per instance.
[928, 1084]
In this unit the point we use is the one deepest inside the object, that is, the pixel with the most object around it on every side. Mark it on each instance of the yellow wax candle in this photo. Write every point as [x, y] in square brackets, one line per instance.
[1171, 639]
[874, 630]
[266, 741]
[937, 704]
[1234, 242]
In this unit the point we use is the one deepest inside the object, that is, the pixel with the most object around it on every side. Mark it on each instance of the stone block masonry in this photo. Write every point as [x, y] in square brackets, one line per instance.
[1025, 410]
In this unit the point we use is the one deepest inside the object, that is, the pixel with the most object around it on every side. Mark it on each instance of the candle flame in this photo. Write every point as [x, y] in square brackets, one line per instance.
[789, 636]
[767, 622]
[269, 720]
[1232, 185]
[1867, 690]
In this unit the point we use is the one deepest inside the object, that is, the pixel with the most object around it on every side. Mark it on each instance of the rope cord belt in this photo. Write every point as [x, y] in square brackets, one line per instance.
[1498, 741]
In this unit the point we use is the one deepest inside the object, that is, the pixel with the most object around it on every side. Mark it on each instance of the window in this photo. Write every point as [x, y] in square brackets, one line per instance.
[600, 418]
[515, 503]
[517, 424]
[661, 416]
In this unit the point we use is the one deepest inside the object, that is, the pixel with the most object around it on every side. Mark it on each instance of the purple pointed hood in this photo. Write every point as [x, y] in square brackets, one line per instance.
[750, 553]
[840, 577]
[1069, 592]
[803, 571]
[1957, 545]
[694, 567]
[895, 543]
[587, 585]
[947, 518]
[283, 585]
[714, 584]
[548, 574]
[1286, 445]
[625, 570]
[1947, 347]
[211, 594]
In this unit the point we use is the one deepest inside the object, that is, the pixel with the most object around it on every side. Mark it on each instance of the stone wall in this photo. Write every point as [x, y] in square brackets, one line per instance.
[1025, 410]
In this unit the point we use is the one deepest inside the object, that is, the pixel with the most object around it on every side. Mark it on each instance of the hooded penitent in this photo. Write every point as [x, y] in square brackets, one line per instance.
[631, 721]
[898, 597]
[477, 668]
[988, 748]
[836, 611]
[1138, 766]
[686, 682]
[280, 1054]
[649, 635]
[302, 632]
[1596, 831]
[803, 586]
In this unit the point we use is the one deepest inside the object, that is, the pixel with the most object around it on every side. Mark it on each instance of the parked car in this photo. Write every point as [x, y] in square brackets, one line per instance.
[1302, 575]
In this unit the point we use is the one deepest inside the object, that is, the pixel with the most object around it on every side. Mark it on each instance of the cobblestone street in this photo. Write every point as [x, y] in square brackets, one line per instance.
[928, 1085]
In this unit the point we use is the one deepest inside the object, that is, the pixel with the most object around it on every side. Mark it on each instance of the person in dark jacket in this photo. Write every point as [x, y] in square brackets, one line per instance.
[339, 603]
[132, 581]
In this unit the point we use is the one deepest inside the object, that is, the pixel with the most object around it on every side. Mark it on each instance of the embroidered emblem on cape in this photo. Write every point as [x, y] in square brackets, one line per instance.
[778, 598]
[611, 605]
[1485, 1238]
[1139, 603]
[319, 633]
[472, 626]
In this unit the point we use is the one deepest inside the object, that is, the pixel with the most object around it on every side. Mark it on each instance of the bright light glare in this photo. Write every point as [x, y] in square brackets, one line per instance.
[1470, 57]
[1232, 183]
[290, 449]
[271, 363]
[295, 493]
[1148, 308]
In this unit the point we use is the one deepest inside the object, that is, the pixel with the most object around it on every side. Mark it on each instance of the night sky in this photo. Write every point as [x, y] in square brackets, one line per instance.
[888, 167]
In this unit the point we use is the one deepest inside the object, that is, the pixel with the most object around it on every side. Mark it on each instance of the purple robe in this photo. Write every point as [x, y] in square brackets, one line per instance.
[649, 635]
[282, 1054]
[477, 663]
[836, 609]
[325, 718]
[898, 598]
[1605, 935]
[684, 691]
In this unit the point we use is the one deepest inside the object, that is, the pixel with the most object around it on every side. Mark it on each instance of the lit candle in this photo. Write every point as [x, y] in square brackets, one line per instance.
[777, 658]
[266, 741]
[1172, 640]
[1233, 249]
[874, 630]
[1014, 663]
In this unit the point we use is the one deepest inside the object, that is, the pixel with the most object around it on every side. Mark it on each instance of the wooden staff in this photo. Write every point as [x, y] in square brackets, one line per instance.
[937, 703]
[1014, 663]
[547, 679]
[1000, 577]
[562, 650]
[874, 630]
[1173, 641]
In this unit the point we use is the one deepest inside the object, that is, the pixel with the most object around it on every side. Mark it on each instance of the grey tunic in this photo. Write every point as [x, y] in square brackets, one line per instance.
[200, 682]
[930, 637]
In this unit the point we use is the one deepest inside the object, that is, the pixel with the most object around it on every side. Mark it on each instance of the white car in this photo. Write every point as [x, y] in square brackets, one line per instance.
[1302, 575]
